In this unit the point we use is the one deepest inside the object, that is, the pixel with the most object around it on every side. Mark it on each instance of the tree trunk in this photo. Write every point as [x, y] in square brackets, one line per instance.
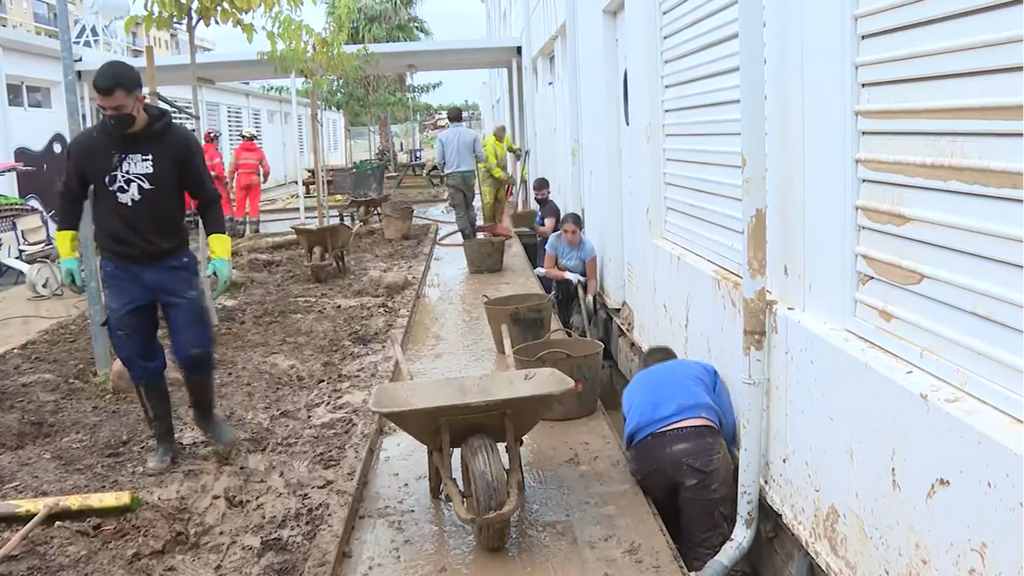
[315, 141]
[384, 133]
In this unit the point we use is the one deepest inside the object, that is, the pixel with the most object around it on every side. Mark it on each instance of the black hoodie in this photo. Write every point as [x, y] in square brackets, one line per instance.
[139, 182]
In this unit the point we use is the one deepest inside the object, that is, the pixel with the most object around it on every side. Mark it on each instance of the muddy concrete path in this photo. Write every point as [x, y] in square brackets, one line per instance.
[296, 361]
[584, 514]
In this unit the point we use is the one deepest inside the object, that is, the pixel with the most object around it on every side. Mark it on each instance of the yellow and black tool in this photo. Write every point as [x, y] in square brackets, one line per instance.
[40, 508]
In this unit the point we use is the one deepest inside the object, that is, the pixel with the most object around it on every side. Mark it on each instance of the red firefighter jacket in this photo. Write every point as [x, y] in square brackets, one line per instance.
[215, 164]
[248, 158]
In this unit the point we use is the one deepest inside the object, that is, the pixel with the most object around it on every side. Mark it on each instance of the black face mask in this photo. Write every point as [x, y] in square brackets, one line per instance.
[120, 124]
[540, 201]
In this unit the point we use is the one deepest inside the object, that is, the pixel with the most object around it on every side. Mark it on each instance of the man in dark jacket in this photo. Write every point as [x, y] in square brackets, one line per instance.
[140, 164]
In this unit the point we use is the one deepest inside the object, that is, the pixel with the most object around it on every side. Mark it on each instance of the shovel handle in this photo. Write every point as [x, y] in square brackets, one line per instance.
[506, 340]
[403, 366]
[24, 532]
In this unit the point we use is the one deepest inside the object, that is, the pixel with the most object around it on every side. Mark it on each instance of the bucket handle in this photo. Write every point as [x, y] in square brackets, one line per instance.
[546, 352]
[485, 299]
[568, 332]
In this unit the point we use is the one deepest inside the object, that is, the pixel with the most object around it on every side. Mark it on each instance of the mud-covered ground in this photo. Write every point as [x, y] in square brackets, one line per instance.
[414, 193]
[296, 361]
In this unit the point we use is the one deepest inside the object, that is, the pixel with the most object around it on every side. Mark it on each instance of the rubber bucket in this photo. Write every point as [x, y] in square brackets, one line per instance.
[577, 358]
[528, 317]
[397, 220]
[484, 255]
[524, 219]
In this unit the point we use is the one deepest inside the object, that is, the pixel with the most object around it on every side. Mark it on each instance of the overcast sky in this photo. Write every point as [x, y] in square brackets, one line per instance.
[448, 19]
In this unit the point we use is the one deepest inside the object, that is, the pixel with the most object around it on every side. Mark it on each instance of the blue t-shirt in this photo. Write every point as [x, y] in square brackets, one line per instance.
[672, 391]
[570, 258]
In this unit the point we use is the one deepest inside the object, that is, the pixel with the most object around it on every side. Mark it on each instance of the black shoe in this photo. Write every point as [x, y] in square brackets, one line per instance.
[200, 394]
[254, 226]
[156, 405]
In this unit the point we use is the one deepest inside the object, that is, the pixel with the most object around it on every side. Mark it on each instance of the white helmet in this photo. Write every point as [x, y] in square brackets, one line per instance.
[248, 134]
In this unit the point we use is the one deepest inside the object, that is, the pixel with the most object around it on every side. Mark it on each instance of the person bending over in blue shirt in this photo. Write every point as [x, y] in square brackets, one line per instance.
[571, 259]
[679, 431]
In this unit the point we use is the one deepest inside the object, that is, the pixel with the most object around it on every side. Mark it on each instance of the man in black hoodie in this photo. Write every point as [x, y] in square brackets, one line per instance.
[139, 164]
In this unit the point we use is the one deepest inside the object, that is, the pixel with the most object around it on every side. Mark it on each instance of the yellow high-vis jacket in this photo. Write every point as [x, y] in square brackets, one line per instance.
[496, 155]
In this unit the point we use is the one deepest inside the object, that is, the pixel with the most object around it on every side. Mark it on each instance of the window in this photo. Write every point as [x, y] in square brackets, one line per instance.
[938, 249]
[15, 95]
[287, 118]
[256, 122]
[212, 115]
[272, 116]
[625, 97]
[235, 126]
[178, 117]
[38, 97]
[552, 69]
[700, 99]
[302, 134]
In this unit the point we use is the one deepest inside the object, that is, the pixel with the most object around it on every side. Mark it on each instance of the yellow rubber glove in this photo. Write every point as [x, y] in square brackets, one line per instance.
[220, 246]
[220, 262]
[67, 244]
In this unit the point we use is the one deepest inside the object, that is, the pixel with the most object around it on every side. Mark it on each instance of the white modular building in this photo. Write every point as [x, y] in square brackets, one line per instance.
[883, 139]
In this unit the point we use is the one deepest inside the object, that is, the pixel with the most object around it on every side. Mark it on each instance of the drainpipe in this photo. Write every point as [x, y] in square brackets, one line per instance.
[755, 297]
[530, 89]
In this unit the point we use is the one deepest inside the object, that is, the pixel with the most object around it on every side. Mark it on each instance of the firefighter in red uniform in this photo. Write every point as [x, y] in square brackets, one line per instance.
[215, 164]
[247, 161]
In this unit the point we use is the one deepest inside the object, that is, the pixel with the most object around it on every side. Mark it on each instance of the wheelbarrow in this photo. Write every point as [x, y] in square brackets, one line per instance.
[324, 246]
[361, 210]
[473, 414]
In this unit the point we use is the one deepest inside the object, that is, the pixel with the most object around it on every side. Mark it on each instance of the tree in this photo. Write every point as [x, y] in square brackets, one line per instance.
[318, 56]
[377, 96]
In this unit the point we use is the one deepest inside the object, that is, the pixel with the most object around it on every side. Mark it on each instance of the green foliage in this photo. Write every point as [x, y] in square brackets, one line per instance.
[318, 56]
[238, 14]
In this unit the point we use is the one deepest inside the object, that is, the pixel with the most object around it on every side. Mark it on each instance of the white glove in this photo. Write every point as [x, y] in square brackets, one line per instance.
[589, 303]
[573, 277]
[539, 272]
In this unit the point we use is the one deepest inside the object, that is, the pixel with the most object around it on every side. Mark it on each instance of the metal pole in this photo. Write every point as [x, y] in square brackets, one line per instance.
[298, 153]
[90, 272]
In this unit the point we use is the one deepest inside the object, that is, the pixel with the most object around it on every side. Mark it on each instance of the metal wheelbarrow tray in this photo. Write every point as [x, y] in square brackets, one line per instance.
[323, 246]
[474, 414]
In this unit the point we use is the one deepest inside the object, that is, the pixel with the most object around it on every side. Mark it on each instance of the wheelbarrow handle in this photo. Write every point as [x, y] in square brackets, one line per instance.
[546, 352]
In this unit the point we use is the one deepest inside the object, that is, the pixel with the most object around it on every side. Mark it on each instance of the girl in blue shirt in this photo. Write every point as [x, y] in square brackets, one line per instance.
[570, 259]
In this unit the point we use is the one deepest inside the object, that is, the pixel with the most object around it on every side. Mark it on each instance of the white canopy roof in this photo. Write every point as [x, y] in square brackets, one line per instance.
[397, 57]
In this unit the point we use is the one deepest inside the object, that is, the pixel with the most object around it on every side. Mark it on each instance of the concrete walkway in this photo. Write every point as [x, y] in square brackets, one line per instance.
[21, 318]
[584, 514]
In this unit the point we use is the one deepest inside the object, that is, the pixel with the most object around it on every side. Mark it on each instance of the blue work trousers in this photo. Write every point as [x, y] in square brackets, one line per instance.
[133, 291]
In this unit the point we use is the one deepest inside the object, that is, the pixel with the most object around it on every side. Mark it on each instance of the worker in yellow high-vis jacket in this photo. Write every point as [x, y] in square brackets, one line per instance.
[494, 177]
[139, 164]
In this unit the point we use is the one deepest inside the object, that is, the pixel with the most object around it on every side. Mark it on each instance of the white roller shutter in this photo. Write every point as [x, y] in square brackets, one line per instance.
[939, 210]
[236, 123]
[701, 106]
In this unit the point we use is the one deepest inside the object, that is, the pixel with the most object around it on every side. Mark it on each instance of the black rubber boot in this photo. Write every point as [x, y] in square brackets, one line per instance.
[200, 395]
[240, 228]
[229, 226]
[156, 405]
[254, 226]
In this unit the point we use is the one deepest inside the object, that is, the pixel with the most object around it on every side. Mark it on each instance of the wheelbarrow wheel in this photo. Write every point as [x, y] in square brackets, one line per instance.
[485, 484]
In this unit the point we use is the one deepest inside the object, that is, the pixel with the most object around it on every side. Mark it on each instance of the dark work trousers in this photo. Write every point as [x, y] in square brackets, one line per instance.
[461, 191]
[545, 282]
[567, 302]
[688, 474]
[132, 292]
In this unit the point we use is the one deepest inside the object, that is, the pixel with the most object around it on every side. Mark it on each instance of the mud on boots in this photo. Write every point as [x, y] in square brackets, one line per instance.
[456, 154]
[247, 163]
[140, 164]
[215, 165]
